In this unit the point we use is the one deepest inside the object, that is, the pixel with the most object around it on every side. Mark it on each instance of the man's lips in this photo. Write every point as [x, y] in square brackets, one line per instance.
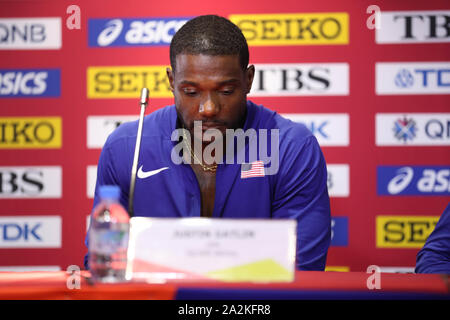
[212, 125]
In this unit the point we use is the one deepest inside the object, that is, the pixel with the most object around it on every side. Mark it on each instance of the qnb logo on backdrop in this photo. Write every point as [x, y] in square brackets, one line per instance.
[127, 82]
[405, 129]
[100, 127]
[413, 27]
[413, 180]
[294, 28]
[404, 231]
[30, 232]
[30, 33]
[412, 78]
[30, 182]
[30, 83]
[339, 231]
[330, 129]
[133, 32]
[413, 129]
[296, 79]
[30, 133]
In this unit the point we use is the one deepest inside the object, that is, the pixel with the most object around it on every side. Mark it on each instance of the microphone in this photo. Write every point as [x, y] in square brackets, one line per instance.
[143, 103]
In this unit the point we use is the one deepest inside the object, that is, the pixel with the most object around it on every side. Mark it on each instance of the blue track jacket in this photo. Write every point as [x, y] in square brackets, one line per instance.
[434, 257]
[297, 191]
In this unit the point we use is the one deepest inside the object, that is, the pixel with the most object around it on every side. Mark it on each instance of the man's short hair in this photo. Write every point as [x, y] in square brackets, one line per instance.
[209, 35]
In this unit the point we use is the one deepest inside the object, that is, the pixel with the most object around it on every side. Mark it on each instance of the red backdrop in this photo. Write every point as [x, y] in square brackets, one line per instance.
[356, 247]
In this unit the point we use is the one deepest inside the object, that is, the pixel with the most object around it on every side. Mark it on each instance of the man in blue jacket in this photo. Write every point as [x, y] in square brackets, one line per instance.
[210, 79]
[434, 257]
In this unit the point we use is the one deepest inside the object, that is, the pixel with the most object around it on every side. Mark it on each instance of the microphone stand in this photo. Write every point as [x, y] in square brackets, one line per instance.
[143, 103]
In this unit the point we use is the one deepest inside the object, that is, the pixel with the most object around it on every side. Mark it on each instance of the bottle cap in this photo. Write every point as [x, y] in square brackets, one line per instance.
[109, 192]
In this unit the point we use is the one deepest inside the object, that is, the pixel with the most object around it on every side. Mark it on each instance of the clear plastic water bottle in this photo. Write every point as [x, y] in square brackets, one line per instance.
[108, 237]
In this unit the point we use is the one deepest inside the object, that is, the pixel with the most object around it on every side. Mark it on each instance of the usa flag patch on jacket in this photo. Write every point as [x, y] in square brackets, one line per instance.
[252, 170]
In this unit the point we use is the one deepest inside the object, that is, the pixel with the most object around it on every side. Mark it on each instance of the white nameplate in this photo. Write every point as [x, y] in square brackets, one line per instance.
[257, 250]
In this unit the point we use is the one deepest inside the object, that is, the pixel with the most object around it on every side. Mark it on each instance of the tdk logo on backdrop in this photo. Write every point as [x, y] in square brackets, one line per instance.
[30, 83]
[133, 32]
[330, 129]
[412, 78]
[413, 180]
[30, 232]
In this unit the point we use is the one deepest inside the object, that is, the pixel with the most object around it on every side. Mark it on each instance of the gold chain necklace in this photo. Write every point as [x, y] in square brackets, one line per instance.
[205, 168]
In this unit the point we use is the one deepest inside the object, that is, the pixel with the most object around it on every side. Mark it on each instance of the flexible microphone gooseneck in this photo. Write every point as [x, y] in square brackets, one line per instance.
[143, 103]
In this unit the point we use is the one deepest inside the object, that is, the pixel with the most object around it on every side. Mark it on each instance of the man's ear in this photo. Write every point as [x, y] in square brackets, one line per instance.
[169, 72]
[250, 74]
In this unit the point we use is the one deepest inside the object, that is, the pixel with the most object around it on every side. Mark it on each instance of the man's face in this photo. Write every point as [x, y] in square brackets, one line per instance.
[211, 89]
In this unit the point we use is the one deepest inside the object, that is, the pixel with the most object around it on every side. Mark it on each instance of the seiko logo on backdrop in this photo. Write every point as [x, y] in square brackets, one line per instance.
[30, 232]
[404, 231]
[413, 180]
[413, 27]
[127, 81]
[100, 127]
[330, 129]
[30, 83]
[30, 182]
[420, 129]
[133, 32]
[293, 28]
[301, 79]
[412, 78]
[30, 33]
[30, 132]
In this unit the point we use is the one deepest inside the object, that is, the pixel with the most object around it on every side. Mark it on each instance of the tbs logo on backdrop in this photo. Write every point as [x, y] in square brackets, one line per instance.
[414, 27]
[118, 32]
[301, 79]
[31, 182]
[413, 180]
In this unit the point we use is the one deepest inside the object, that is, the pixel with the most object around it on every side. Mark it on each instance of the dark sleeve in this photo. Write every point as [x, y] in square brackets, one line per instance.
[301, 193]
[434, 257]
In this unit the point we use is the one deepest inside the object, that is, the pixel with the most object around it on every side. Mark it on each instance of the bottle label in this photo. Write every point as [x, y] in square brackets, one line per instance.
[108, 241]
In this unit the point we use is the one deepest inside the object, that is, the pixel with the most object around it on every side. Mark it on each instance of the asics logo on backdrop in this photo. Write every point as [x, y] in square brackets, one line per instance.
[110, 33]
[133, 32]
[401, 180]
[413, 180]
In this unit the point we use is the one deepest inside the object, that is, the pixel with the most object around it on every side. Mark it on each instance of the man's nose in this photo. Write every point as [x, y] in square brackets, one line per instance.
[208, 108]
